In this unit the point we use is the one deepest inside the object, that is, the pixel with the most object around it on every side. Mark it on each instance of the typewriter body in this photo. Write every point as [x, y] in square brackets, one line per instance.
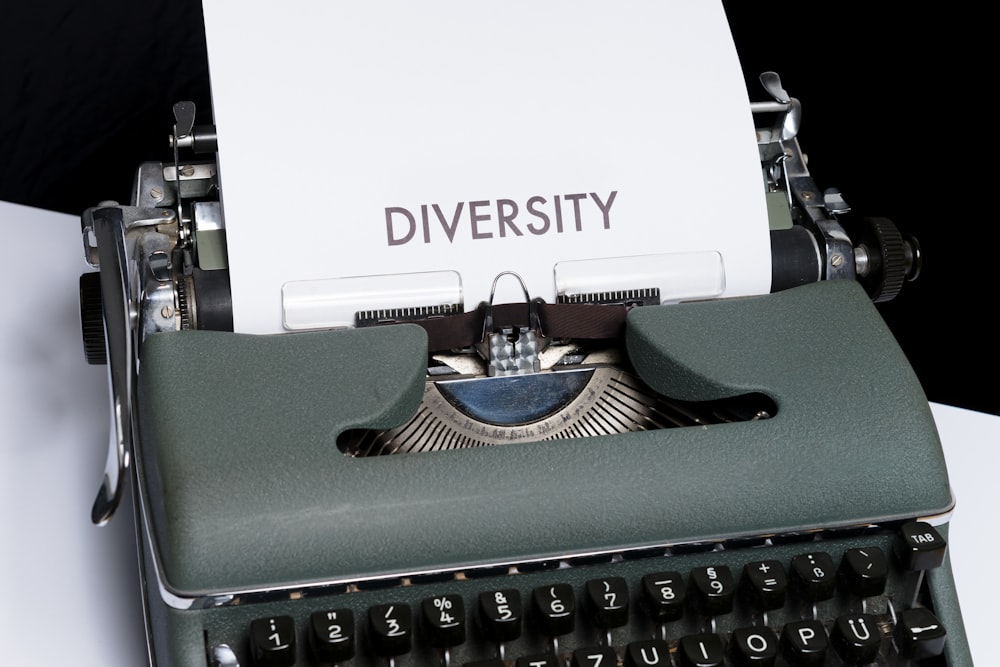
[606, 481]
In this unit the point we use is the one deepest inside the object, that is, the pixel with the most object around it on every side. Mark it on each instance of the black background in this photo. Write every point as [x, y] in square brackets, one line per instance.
[897, 114]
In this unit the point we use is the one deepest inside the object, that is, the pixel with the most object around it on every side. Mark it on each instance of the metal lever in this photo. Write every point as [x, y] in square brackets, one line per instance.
[791, 106]
[105, 224]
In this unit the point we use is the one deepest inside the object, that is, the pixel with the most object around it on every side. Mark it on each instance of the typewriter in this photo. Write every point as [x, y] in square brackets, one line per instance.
[603, 480]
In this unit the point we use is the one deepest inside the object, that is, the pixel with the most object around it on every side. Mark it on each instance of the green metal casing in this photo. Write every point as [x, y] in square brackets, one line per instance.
[244, 488]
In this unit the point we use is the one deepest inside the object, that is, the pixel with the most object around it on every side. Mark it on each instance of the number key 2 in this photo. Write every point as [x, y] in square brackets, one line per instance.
[332, 634]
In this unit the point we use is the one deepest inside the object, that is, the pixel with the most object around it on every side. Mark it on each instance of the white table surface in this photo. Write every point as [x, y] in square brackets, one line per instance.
[70, 589]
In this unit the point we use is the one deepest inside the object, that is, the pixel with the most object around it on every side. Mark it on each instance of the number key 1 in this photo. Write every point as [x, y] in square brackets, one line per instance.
[273, 641]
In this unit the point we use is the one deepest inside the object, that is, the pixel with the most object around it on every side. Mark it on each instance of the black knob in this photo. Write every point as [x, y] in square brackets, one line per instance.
[92, 318]
[891, 259]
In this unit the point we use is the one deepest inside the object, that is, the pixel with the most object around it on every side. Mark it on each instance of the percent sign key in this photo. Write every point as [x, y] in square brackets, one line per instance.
[444, 620]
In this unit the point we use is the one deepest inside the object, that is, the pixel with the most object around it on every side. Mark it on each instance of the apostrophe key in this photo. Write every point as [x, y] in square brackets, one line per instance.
[332, 635]
[390, 629]
[272, 641]
[864, 572]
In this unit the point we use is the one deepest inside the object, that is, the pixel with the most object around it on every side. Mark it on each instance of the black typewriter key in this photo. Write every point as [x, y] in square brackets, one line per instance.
[753, 647]
[704, 650]
[864, 571]
[663, 596]
[546, 660]
[556, 609]
[814, 576]
[856, 638]
[804, 643]
[649, 653]
[489, 662]
[609, 602]
[764, 585]
[500, 614]
[595, 656]
[331, 634]
[390, 629]
[919, 634]
[272, 641]
[920, 546]
[712, 590]
[443, 620]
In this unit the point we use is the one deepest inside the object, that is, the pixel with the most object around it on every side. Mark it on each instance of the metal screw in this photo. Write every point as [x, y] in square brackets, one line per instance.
[808, 196]
[156, 193]
[187, 170]
[836, 260]
[167, 312]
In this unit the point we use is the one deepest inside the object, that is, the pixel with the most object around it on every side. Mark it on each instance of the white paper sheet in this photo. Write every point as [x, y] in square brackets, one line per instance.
[397, 138]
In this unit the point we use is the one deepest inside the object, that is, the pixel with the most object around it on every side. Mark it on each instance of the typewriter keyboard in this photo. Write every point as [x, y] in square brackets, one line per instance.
[832, 598]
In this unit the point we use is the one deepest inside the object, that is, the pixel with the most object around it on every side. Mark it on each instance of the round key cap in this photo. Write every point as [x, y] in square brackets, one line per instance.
[331, 634]
[500, 614]
[864, 571]
[753, 647]
[712, 590]
[595, 656]
[272, 641]
[856, 638]
[704, 650]
[443, 620]
[920, 546]
[814, 576]
[390, 629]
[765, 585]
[804, 643]
[555, 607]
[648, 653]
[663, 596]
[609, 602]
[920, 634]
